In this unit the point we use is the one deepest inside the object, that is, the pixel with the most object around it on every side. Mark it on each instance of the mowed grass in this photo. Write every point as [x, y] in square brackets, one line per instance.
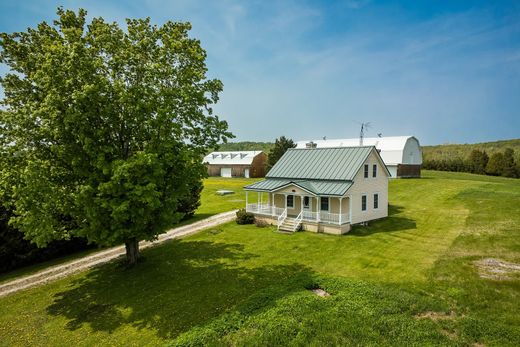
[211, 204]
[409, 279]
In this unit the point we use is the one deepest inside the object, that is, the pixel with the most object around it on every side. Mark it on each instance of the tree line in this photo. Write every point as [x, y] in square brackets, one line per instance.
[479, 162]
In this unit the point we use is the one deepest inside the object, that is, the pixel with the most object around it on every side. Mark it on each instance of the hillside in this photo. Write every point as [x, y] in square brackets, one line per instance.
[462, 151]
[443, 272]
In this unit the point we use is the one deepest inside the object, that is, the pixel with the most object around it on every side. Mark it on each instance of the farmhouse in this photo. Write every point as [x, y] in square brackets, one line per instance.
[322, 189]
[236, 164]
[401, 154]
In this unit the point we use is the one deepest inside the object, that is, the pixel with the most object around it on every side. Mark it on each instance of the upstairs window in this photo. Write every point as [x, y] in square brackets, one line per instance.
[290, 201]
[376, 201]
[366, 170]
[363, 203]
[324, 204]
[374, 170]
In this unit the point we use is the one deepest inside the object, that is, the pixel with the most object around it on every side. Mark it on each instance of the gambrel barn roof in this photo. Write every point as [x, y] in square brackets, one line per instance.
[393, 149]
[231, 158]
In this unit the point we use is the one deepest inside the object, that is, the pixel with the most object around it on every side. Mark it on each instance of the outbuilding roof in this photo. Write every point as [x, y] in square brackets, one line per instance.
[231, 158]
[393, 149]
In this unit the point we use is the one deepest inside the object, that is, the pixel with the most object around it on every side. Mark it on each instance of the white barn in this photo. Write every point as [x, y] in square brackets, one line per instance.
[401, 154]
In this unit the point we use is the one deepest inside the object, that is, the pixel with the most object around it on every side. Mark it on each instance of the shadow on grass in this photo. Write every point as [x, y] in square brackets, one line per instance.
[180, 285]
[392, 223]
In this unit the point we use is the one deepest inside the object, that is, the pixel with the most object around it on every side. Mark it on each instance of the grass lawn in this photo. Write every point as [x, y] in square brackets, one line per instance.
[410, 279]
[211, 204]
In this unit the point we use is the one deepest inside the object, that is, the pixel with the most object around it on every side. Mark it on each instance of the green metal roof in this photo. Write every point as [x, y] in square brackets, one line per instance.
[341, 163]
[313, 186]
[320, 171]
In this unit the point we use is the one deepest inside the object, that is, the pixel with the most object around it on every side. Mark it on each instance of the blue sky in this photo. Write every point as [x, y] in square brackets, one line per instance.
[444, 71]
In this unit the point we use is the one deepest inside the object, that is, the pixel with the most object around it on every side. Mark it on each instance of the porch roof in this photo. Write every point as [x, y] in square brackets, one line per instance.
[316, 187]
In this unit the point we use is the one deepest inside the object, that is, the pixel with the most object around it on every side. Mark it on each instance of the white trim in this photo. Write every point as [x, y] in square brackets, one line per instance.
[378, 201]
[328, 203]
[366, 165]
[366, 202]
[287, 199]
[296, 184]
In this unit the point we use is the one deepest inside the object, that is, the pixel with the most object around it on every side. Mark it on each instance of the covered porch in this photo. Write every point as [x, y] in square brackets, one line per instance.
[301, 206]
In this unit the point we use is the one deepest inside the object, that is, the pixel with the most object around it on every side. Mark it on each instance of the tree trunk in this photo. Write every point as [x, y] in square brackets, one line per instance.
[132, 251]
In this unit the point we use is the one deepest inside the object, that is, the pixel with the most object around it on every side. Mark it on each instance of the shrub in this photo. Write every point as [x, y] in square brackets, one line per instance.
[244, 217]
[261, 223]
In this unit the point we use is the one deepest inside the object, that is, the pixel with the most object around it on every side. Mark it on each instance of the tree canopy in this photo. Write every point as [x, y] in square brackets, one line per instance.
[103, 129]
[281, 145]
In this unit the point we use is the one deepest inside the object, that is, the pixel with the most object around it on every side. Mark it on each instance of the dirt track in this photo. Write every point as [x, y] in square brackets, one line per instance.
[82, 264]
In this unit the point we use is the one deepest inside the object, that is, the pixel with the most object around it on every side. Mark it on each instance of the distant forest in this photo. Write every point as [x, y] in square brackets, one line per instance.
[454, 151]
[447, 157]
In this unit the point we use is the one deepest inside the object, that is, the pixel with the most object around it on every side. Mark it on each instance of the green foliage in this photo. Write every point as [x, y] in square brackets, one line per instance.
[450, 151]
[191, 202]
[495, 166]
[243, 285]
[499, 164]
[244, 217]
[478, 161]
[104, 128]
[281, 145]
[16, 252]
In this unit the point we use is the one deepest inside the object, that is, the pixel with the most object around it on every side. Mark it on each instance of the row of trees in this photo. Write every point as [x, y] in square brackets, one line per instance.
[498, 164]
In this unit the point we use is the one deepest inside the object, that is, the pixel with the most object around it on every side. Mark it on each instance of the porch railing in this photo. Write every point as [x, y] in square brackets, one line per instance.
[324, 217]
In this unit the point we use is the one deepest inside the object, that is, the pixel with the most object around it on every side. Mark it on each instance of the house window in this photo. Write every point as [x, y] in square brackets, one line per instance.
[290, 201]
[366, 170]
[324, 203]
[374, 170]
[376, 201]
[363, 202]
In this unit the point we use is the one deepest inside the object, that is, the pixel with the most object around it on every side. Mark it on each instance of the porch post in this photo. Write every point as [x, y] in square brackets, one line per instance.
[273, 206]
[318, 209]
[350, 209]
[246, 199]
[340, 201]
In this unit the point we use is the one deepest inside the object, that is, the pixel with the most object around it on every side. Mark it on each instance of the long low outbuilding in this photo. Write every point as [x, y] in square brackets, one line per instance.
[401, 154]
[236, 164]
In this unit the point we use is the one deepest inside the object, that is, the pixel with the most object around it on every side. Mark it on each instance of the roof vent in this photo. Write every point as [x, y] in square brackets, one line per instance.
[214, 156]
[243, 155]
[310, 145]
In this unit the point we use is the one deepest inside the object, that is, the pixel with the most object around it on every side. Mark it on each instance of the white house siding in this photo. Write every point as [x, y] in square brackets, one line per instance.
[369, 186]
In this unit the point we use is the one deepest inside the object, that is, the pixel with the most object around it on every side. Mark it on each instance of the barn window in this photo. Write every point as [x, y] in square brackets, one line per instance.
[366, 170]
[374, 170]
[376, 201]
[290, 201]
[324, 203]
[363, 202]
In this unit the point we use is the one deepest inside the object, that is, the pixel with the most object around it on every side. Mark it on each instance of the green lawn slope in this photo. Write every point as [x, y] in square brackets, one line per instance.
[414, 278]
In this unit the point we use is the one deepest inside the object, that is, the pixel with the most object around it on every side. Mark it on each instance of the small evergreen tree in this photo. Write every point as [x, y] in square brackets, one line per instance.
[281, 145]
[495, 165]
[509, 166]
[477, 161]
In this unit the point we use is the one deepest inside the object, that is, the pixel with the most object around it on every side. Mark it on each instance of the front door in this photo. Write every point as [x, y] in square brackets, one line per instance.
[246, 173]
[306, 203]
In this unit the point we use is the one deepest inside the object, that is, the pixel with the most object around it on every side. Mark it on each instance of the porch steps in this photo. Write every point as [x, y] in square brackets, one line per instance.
[289, 224]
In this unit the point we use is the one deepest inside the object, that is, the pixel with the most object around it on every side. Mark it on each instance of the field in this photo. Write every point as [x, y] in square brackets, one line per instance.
[441, 270]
